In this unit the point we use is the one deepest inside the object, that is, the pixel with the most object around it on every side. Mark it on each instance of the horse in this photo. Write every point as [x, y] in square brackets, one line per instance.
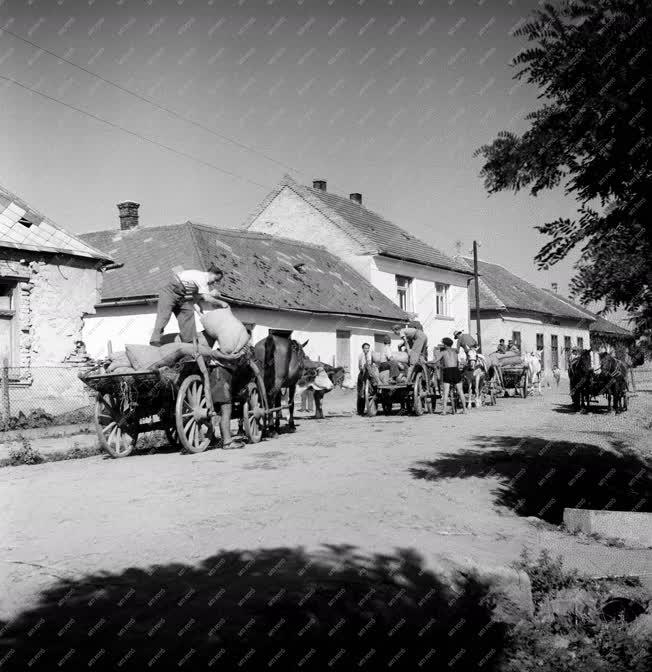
[581, 379]
[473, 373]
[613, 377]
[282, 361]
[533, 362]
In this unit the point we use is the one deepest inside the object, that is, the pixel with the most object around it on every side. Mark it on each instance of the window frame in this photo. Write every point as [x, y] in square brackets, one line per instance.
[580, 342]
[540, 342]
[406, 291]
[446, 299]
[12, 315]
[516, 340]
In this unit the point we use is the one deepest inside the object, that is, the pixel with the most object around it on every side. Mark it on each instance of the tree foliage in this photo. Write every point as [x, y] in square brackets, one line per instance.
[591, 61]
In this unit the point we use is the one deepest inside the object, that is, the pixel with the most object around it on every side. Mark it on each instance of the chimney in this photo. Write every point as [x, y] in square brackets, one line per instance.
[356, 198]
[554, 286]
[319, 184]
[128, 215]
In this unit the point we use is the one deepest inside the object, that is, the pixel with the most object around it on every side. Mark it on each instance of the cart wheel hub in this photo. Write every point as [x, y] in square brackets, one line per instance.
[258, 413]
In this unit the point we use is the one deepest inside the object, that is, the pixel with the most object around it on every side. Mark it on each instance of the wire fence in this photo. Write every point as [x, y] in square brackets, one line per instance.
[42, 396]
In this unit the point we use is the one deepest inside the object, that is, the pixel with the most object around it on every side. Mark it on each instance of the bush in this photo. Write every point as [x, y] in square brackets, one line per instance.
[37, 417]
[569, 631]
[24, 454]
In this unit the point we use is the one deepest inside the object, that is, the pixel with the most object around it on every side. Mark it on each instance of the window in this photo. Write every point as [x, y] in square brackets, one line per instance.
[285, 333]
[554, 350]
[8, 323]
[580, 342]
[539, 342]
[404, 293]
[441, 299]
[567, 349]
[516, 337]
[379, 342]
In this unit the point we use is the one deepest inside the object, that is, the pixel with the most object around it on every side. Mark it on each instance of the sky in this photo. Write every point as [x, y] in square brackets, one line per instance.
[389, 98]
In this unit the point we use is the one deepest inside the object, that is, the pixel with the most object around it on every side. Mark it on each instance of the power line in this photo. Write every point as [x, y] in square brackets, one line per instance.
[163, 108]
[137, 135]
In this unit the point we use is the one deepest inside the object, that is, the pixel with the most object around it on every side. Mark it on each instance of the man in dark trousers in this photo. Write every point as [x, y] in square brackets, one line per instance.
[451, 373]
[178, 296]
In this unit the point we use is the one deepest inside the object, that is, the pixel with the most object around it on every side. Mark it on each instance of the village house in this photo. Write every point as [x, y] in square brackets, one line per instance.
[273, 285]
[535, 319]
[49, 279]
[421, 280]
[605, 336]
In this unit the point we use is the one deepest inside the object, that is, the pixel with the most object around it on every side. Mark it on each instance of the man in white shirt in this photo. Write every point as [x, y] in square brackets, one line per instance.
[179, 295]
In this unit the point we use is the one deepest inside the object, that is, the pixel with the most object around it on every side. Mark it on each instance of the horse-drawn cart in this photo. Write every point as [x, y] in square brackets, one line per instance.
[513, 378]
[177, 400]
[416, 394]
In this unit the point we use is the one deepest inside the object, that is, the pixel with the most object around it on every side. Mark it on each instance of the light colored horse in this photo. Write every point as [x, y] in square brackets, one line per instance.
[532, 361]
[475, 370]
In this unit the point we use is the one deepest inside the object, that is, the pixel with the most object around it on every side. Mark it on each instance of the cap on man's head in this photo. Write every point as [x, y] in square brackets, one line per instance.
[397, 327]
[447, 341]
[456, 333]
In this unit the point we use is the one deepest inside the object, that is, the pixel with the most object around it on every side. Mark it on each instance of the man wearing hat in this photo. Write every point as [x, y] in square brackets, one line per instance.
[465, 341]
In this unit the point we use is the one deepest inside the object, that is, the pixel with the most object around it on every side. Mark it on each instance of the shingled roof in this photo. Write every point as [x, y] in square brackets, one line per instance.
[23, 228]
[502, 290]
[601, 325]
[376, 234]
[259, 269]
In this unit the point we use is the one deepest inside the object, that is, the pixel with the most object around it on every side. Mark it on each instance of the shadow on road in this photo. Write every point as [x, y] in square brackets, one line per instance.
[568, 409]
[262, 609]
[540, 478]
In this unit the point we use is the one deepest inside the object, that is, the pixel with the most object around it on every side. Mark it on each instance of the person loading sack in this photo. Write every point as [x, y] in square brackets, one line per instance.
[179, 294]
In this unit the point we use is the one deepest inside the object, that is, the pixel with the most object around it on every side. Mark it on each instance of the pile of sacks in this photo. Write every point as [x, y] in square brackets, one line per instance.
[509, 358]
[229, 334]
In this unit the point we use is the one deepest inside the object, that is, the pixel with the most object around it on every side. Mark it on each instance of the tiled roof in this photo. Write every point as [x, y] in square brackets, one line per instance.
[371, 230]
[502, 290]
[601, 325]
[23, 228]
[259, 269]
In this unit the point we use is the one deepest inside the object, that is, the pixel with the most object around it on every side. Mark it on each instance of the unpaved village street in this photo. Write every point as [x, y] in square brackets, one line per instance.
[464, 487]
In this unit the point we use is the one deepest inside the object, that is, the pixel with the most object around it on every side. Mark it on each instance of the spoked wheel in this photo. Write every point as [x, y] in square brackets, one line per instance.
[253, 415]
[371, 407]
[192, 420]
[421, 394]
[116, 431]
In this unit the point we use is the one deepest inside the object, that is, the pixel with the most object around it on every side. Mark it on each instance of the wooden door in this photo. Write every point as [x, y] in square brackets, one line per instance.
[343, 349]
[554, 351]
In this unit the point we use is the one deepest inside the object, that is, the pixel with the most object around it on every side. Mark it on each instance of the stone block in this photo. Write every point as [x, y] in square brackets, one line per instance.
[630, 526]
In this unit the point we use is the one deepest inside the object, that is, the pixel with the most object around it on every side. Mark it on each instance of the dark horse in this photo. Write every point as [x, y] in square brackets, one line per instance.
[282, 360]
[581, 379]
[613, 377]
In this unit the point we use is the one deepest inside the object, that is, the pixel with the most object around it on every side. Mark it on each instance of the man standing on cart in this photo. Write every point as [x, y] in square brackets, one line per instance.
[416, 343]
[179, 294]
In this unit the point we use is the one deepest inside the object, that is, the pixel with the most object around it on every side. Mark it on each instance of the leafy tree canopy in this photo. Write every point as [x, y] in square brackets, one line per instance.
[591, 61]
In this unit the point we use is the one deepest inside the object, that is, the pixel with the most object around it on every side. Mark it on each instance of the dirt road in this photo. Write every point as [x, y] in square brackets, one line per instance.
[458, 486]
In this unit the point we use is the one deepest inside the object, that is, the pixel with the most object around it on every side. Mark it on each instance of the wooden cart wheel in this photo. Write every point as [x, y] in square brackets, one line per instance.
[525, 385]
[193, 423]
[371, 407]
[253, 416]
[115, 433]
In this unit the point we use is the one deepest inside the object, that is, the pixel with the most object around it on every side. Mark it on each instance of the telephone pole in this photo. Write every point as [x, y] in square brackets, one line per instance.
[477, 293]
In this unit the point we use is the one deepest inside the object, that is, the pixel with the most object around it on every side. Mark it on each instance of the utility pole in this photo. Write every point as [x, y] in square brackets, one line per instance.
[477, 293]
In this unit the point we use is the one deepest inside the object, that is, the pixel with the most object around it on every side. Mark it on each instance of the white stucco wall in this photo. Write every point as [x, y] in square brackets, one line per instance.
[133, 324]
[493, 329]
[289, 215]
[383, 276]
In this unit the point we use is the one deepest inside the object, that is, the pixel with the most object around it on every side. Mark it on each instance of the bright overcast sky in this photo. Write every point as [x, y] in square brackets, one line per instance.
[387, 98]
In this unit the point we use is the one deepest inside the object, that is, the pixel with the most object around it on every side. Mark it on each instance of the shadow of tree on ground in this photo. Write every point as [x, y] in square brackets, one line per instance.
[540, 478]
[278, 608]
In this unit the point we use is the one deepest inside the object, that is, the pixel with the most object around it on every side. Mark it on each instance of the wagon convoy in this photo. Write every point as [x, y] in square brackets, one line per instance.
[175, 391]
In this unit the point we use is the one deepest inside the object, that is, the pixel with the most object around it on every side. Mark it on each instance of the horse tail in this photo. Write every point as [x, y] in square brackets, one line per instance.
[269, 367]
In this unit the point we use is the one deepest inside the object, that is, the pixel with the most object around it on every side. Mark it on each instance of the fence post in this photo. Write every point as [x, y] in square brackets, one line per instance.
[4, 391]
